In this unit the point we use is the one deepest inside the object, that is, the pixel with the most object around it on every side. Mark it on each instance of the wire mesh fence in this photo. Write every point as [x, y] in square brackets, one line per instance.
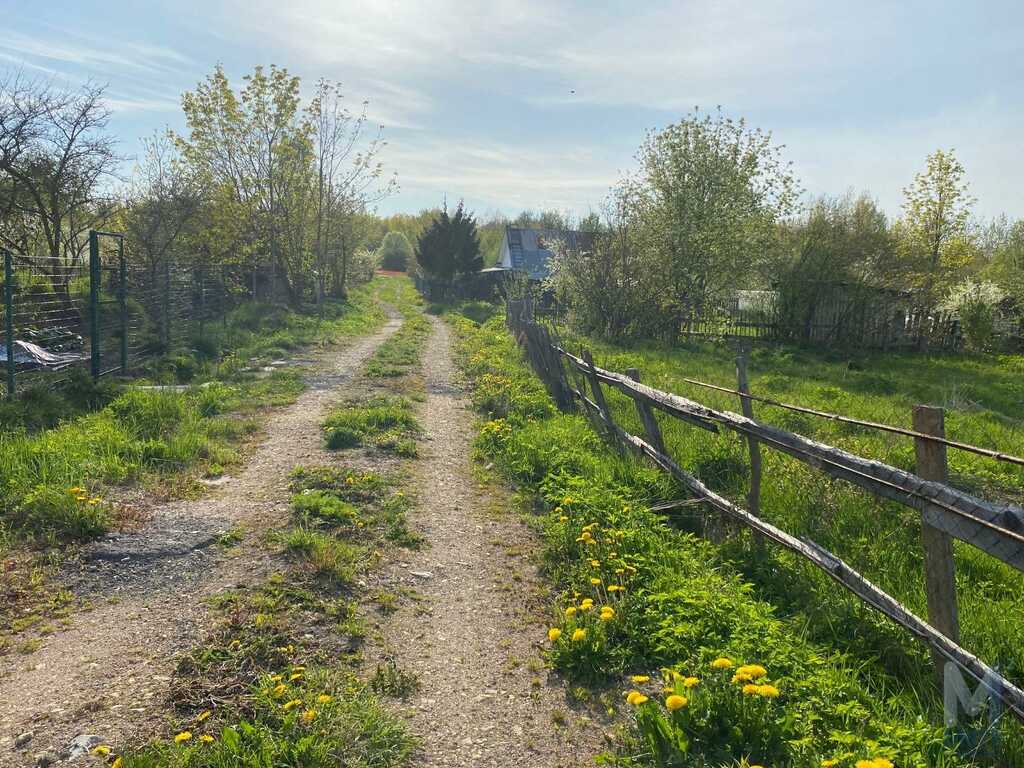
[103, 313]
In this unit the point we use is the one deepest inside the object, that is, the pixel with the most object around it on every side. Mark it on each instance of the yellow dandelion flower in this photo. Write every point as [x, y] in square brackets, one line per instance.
[276, 678]
[620, 571]
[558, 510]
[586, 604]
[640, 678]
[690, 682]
[741, 677]
[294, 676]
[101, 749]
[753, 670]
[288, 706]
[723, 662]
[554, 633]
[118, 762]
[882, 762]
[591, 542]
[570, 611]
[182, 737]
[607, 613]
[675, 701]
[635, 698]
[595, 563]
[563, 519]
[751, 690]
[579, 634]
[771, 692]
[595, 581]
[206, 738]
[203, 715]
[830, 763]
[308, 716]
[324, 698]
[279, 690]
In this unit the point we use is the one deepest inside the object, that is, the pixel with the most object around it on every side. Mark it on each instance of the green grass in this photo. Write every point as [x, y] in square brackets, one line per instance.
[851, 687]
[983, 397]
[400, 355]
[53, 480]
[384, 421]
[268, 686]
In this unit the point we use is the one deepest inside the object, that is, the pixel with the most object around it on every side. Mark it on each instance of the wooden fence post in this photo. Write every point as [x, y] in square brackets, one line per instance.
[651, 428]
[602, 404]
[939, 570]
[753, 446]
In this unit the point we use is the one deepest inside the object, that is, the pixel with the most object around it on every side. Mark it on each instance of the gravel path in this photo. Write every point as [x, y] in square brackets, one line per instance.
[108, 672]
[472, 639]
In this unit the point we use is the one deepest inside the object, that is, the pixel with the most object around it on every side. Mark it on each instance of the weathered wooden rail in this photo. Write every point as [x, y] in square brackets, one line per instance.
[994, 528]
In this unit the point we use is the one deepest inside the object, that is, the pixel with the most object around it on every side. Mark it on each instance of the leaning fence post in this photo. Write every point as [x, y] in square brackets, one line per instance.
[12, 367]
[94, 303]
[939, 569]
[646, 414]
[602, 404]
[122, 299]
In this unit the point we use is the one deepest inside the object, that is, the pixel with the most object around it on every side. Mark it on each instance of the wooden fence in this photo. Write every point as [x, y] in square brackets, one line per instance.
[946, 513]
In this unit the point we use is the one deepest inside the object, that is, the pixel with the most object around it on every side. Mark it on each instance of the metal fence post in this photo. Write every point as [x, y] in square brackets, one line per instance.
[123, 304]
[12, 367]
[94, 302]
[167, 305]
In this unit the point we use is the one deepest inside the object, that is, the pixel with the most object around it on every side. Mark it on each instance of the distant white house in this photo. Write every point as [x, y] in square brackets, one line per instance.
[529, 250]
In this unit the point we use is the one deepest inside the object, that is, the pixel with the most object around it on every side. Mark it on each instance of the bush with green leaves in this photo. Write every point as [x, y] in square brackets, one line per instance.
[395, 252]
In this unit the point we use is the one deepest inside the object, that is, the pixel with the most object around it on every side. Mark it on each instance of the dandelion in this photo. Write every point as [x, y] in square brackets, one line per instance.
[750, 689]
[294, 676]
[578, 635]
[94, 501]
[830, 763]
[635, 698]
[771, 692]
[182, 737]
[288, 706]
[279, 690]
[595, 563]
[675, 701]
[741, 677]
[206, 738]
[586, 604]
[640, 678]
[558, 511]
[276, 678]
[554, 633]
[203, 715]
[101, 749]
[753, 670]
[118, 762]
[324, 698]
[723, 662]
[690, 682]
[620, 571]
[308, 716]
[595, 581]
[563, 519]
[570, 611]
[607, 613]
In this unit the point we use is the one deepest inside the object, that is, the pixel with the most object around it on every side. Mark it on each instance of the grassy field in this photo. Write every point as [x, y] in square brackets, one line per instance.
[842, 684]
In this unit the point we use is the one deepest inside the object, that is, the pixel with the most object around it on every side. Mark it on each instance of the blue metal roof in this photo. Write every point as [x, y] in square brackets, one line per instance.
[530, 249]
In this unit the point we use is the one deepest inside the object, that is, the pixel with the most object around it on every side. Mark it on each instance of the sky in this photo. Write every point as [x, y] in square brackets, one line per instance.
[514, 105]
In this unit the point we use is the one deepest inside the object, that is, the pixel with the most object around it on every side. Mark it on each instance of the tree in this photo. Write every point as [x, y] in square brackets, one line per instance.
[704, 206]
[450, 246]
[936, 213]
[53, 154]
[296, 176]
[395, 252]
[841, 247]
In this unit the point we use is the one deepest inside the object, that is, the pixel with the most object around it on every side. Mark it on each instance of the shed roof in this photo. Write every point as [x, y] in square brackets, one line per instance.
[530, 249]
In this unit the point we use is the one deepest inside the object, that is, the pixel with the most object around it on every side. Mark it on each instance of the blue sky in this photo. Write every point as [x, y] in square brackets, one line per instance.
[542, 104]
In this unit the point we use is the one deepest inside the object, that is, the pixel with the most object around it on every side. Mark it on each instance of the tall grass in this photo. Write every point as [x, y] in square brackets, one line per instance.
[850, 686]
